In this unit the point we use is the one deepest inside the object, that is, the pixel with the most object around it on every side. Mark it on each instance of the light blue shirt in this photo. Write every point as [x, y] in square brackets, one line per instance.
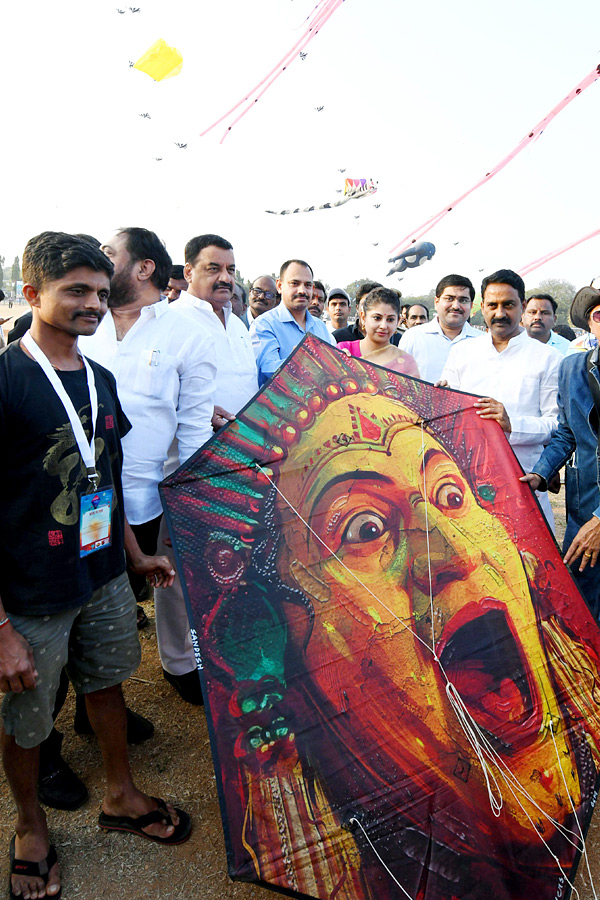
[276, 334]
[558, 342]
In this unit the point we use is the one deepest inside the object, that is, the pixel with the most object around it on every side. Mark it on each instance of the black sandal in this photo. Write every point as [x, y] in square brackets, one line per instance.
[32, 869]
[137, 825]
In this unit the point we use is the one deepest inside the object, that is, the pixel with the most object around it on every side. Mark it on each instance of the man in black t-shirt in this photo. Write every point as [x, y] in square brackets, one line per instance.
[64, 595]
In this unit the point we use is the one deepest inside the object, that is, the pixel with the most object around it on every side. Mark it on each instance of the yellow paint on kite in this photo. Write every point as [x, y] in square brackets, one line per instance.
[160, 61]
[374, 614]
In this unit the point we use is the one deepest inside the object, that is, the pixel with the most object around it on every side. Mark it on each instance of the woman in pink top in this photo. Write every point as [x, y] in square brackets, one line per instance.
[379, 313]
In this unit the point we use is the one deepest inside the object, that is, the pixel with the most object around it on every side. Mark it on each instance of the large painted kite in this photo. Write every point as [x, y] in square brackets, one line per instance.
[401, 680]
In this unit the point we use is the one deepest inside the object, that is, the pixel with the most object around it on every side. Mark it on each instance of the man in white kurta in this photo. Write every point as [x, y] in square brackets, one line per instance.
[210, 272]
[516, 375]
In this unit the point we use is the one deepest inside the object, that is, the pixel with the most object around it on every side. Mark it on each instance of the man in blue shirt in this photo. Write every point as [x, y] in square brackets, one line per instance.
[279, 331]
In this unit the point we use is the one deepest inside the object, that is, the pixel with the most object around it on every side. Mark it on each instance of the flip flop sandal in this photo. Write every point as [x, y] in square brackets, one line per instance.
[136, 826]
[31, 870]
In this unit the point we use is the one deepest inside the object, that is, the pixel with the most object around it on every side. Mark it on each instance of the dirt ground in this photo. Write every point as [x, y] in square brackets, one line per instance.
[176, 764]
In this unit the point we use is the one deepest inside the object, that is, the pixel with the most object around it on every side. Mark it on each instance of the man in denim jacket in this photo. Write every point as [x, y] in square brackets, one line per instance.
[577, 437]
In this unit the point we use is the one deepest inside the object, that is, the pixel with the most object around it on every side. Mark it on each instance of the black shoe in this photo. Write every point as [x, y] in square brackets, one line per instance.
[142, 618]
[187, 686]
[58, 785]
[139, 729]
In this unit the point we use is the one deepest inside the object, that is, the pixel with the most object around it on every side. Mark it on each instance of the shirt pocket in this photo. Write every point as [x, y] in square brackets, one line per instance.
[156, 375]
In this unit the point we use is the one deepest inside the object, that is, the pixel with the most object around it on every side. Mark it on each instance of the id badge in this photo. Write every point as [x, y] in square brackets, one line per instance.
[95, 519]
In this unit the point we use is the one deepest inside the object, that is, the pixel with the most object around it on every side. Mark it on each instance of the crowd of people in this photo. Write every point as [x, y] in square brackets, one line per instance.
[125, 365]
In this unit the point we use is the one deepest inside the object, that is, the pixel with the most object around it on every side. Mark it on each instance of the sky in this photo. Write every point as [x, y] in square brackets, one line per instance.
[423, 98]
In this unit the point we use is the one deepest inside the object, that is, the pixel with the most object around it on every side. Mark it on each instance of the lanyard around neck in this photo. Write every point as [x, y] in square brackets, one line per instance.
[85, 448]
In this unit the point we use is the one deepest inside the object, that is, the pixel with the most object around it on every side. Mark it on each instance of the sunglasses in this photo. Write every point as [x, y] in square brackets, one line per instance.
[595, 316]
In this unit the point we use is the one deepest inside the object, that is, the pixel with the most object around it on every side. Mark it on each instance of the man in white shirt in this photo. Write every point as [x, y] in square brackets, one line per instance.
[210, 272]
[165, 370]
[263, 296]
[517, 376]
[539, 319]
[431, 343]
[278, 332]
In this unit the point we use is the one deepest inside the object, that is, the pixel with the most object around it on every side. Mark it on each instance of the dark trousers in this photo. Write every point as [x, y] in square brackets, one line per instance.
[147, 537]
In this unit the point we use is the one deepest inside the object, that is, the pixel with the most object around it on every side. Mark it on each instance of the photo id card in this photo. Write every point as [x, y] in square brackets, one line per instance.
[95, 521]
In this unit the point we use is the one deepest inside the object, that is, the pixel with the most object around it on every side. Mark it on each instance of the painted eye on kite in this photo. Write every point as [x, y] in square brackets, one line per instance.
[363, 528]
[449, 496]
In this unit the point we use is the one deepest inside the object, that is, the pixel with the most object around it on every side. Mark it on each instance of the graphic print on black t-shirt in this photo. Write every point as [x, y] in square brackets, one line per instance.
[63, 459]
[41, 571]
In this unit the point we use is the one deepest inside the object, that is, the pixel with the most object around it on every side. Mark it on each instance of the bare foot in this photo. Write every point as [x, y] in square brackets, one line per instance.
[33, 846]
[138, 804]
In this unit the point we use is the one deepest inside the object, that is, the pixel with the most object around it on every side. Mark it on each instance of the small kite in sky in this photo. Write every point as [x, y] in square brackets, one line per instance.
[181, 146]
[319, 108]
[160, 61]
[376, 244]
[303, 55]
[377, 205]
[354, 188]
[145, 116]
[121, 12]
[134, 9]
[412, 257]
[158, 158]
[341, 170]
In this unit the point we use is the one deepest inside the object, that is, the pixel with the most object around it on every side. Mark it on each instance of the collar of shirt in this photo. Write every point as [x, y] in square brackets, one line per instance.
[191, 300]
[434, 327]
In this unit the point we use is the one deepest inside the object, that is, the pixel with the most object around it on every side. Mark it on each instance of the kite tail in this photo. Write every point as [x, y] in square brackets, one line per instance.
[354, 189]
[533, 134]
[327, 8]
[544, 259]
[331, 7]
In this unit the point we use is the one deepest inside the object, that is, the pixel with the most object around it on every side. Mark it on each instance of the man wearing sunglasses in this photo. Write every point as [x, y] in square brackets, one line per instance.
[576, 441]
[263, 297]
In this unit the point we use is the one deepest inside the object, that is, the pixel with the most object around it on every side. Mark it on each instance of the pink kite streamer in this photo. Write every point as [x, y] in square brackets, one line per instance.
[326, 8]
[533, 134]
[544, 259]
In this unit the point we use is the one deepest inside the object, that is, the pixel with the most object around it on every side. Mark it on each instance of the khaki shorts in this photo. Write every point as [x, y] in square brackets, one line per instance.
[98, 643]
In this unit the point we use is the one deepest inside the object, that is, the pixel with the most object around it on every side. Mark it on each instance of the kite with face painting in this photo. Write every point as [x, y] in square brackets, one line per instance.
[402, 682]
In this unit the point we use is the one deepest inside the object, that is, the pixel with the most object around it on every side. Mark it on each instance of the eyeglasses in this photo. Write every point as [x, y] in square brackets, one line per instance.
[595, 316]
[268, 295]
[463, 301]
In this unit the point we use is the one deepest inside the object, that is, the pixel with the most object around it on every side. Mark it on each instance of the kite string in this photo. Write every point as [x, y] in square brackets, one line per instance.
[535, 132]
[584, 852]
[356, 821]
[474, 734]
[331, 7]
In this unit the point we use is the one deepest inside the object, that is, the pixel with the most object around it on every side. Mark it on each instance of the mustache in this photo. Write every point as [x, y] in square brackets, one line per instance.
[223, 285]
[83, 314]
[500, 321]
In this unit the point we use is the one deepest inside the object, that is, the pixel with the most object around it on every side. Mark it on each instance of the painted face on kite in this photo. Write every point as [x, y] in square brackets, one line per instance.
[415, 586]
